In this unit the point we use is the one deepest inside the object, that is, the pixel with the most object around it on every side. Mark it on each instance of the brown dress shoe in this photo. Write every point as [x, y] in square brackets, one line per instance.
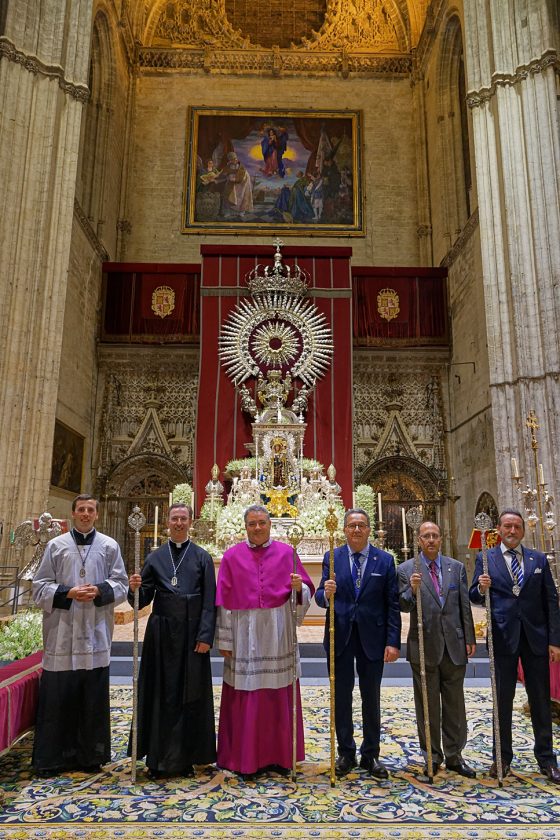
[552, 773]
[494, 770]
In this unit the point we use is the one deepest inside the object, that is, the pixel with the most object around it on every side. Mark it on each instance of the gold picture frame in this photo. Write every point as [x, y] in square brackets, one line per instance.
[295, 172]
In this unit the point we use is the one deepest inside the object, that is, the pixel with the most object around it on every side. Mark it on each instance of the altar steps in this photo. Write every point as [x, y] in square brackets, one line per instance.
[313, 665]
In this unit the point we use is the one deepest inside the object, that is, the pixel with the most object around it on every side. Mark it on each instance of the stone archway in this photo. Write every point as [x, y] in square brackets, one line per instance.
[403, 483]
[145, 480]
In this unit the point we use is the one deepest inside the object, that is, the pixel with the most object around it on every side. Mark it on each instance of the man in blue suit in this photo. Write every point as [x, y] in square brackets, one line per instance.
[367, 632]
[526, 625]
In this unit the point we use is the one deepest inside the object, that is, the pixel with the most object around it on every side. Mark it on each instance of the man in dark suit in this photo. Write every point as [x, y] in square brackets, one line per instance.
[449, 639]
[526, 625]
[367, 632]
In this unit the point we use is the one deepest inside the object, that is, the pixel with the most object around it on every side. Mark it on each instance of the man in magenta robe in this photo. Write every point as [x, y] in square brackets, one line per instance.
[255, 634]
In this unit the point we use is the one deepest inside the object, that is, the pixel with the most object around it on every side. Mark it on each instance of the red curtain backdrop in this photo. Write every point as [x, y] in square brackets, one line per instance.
[128, 314]
[422, 296]
[222, 428]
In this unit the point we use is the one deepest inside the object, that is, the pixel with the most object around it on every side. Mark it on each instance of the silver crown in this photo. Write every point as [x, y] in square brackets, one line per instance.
[278, 277]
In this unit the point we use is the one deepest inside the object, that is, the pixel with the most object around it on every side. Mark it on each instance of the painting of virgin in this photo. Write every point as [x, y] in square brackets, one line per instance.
[298, 172]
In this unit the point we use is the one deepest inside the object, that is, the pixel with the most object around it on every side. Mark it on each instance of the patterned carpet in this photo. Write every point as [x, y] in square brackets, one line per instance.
[220, 805]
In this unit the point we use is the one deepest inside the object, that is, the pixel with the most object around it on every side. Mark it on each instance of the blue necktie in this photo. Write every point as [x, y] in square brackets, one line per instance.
[357, 571]
[516, 569]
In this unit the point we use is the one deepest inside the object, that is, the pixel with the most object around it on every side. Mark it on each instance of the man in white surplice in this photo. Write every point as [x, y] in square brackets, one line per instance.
[254, 633]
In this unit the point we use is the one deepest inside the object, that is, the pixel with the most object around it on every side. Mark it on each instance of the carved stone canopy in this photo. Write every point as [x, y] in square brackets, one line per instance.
[404, 479]
[318, 24]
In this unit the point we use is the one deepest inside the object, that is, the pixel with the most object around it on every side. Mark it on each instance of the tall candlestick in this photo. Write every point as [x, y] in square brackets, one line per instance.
[156, 524]
[379, 508]
[541, 475]
[514, 468]
[404, 526]
[170, 499]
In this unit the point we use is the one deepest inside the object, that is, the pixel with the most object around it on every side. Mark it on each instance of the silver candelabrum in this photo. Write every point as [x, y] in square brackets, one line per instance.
[537, 502]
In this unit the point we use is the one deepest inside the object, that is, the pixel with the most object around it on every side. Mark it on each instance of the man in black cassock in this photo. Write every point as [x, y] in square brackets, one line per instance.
[175, 702]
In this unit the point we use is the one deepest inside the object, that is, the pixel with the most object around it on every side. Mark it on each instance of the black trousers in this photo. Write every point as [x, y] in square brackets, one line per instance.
[73, 725]
[536, 670]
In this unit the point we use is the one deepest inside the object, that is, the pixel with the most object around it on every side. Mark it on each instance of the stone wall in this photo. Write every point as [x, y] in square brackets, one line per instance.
[156, 182]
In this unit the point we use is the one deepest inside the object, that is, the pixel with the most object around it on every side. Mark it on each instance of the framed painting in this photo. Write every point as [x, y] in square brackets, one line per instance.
[68, 458]
[288, 172]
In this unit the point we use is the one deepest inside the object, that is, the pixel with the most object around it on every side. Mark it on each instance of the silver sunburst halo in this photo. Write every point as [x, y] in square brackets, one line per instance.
[275, 343]
[304, 336]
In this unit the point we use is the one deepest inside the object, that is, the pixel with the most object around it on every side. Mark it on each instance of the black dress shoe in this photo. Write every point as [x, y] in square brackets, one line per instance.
[494, 770]
[249, 777]
[45, 773]
[462, 768]
[282, 771]
[552, 773]
[435, 768]
[374, 767]
[344, 764]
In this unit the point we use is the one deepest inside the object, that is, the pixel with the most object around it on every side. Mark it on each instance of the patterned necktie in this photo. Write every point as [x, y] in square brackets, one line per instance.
[357, 571]
[435, 579]
[516, 570]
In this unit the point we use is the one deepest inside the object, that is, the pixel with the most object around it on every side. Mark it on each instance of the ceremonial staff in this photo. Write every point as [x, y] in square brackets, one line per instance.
[136, 520]
[295, 536]
[331, 523]
[414, 519]
[483, 522]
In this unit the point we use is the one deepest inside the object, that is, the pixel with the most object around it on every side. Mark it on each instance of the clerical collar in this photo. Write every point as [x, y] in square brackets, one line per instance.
[264, 545]
[81, 538]
[178, 545]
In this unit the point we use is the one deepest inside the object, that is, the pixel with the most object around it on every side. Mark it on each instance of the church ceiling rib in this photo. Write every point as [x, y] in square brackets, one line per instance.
[279, 36]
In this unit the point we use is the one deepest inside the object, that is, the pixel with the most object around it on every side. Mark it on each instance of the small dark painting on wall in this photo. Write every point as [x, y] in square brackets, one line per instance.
[68, 458]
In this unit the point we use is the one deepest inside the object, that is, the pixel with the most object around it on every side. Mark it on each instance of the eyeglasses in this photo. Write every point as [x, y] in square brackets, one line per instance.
[179, 519]
[357, 526]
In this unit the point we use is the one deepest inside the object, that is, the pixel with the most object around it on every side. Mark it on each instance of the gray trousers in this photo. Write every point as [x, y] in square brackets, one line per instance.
[446, 704]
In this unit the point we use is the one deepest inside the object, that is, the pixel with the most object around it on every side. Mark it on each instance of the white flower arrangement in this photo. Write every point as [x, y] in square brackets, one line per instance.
[230, 524]
[237, 464]
[308, 465]
[211, 548]
[182, 494]
[394, 555]
[312, 519]
[364, 498]
[210, 510]
[22, 636]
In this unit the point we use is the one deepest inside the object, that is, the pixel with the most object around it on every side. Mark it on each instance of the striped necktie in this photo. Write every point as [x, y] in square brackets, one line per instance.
[357, 571]
[516, 570]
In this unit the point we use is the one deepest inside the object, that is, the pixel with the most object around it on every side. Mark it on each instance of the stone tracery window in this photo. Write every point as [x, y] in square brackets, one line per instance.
[454, 127]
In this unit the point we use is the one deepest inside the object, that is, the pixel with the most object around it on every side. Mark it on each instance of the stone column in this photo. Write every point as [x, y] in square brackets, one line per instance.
[512, 62]
[44, 55]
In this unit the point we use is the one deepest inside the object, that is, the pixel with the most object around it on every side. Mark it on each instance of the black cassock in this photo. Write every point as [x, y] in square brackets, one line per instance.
[175, 704]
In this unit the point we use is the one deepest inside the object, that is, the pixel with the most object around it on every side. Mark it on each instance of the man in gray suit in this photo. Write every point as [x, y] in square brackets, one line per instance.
[449, 639]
